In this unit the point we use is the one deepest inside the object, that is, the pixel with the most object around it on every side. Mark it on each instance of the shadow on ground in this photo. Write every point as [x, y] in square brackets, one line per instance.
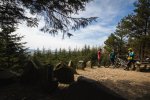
[87, 89]
[82, 89]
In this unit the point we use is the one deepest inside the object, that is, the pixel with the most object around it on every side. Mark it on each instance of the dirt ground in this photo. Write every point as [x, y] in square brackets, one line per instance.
[130, 84]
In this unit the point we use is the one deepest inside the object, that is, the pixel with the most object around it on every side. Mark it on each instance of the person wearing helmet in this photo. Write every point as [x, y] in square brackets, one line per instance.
[130, 58]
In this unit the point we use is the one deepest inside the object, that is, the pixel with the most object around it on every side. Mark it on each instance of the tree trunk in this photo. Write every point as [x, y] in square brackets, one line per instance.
[140, 49]
[144, 39]
[143, 50]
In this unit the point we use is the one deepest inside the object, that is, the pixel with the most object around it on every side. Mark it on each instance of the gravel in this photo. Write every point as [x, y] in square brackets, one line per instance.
[129, 84]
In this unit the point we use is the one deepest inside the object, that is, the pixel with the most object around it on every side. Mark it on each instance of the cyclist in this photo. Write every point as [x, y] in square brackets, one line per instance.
[112, 57]
[130, 58]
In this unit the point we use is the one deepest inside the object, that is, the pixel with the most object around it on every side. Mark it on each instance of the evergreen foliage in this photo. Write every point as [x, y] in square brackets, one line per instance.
[57, 14]
[12, 52]
[133, 31]
[87, 53]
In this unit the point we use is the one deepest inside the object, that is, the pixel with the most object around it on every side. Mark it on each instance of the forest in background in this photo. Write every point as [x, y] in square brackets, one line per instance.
[132, 31]
[62, 55]
[30, 76]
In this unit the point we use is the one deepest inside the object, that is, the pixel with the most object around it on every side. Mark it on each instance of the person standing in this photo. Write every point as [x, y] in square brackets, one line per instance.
[130, 58]
[99, 53]
[112, 57]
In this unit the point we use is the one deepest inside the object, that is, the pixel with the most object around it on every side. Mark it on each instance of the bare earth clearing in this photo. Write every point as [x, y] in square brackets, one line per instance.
[130, 84]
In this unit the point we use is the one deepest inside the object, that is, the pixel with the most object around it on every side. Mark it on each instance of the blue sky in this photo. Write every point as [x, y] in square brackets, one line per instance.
[109, 13]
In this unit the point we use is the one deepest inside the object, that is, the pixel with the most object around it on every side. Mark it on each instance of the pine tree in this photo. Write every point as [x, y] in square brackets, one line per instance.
[57, 14]
[138, 26]
[12, 52]
[142, 22]
[112, 42]
[135, 28]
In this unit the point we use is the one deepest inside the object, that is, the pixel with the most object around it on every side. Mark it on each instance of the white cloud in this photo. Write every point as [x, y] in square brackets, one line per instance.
[36, 39]
[108, 11]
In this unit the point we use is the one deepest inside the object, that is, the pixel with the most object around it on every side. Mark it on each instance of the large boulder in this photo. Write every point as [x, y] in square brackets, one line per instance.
[30, 73]
[59, 65]
[89, 64]
[64, 74]
[41, 77]
[72, 66]
[46, 78]
[81, 64]
[7, 77]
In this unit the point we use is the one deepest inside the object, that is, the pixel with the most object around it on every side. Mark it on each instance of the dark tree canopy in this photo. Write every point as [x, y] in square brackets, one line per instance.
[12, 52]
[135, 29]
[57, 13]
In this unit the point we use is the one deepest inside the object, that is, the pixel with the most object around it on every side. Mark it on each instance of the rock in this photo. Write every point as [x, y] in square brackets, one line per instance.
[89, 64]
[41, 77]
[59, 65]
[46, 78]
[7, 77]
[64, 75]
[81, 64]
[30, 73]
[71, 65]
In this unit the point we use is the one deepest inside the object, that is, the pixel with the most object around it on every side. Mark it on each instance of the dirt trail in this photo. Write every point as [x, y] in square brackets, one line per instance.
[130, 84]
